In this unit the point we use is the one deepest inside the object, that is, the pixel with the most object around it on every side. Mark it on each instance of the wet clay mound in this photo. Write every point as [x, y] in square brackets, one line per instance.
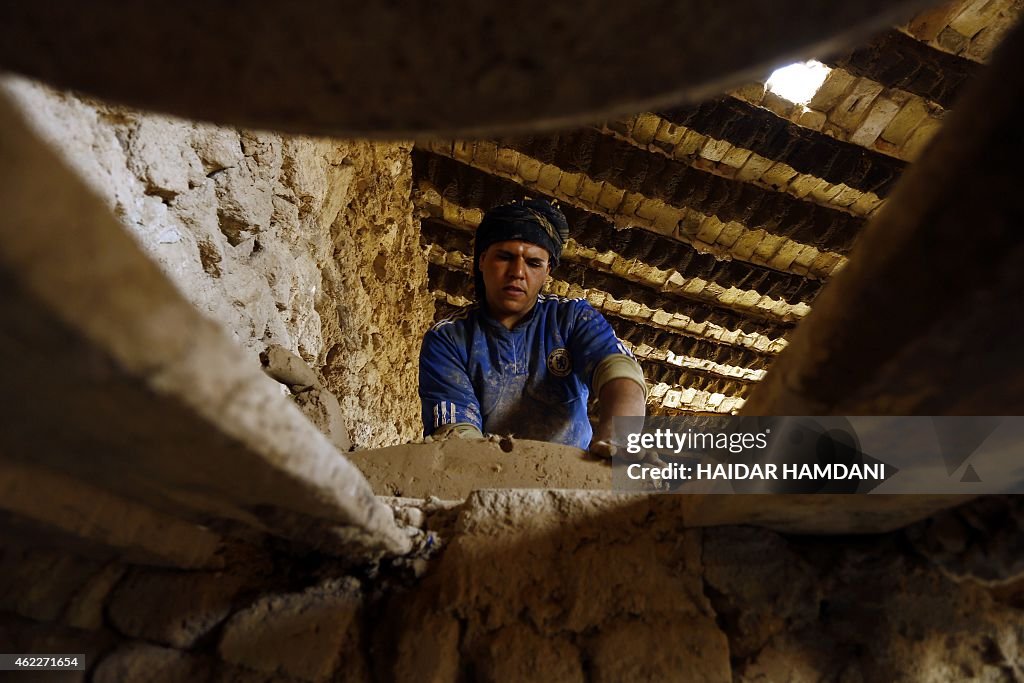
[451, 469]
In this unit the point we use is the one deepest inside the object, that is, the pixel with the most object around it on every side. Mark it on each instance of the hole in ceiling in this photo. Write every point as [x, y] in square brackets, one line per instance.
[798, 82]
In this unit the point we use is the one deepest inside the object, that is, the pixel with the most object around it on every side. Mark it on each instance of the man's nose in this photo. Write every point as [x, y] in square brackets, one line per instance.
[517, 268]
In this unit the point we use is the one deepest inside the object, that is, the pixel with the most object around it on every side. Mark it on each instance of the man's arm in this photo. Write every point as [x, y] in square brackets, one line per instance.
[613, 374]
[447, 398]
[620, 397]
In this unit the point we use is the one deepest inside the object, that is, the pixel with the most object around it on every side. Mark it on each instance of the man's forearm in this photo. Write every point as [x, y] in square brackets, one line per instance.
[619, 397]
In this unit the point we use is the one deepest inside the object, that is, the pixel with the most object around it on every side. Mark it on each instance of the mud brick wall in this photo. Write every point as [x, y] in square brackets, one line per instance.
[554, 586]
[282, 239]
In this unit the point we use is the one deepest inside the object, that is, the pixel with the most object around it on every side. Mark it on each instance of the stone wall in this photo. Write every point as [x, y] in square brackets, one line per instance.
[307, 243]
[553, 586]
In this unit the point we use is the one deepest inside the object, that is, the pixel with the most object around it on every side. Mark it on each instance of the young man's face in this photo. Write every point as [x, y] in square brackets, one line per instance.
[513, 273]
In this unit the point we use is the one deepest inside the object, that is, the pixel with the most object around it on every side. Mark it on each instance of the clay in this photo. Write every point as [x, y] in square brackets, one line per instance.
[323, 410]
[288, 369]
[453, 467]
[308, 392]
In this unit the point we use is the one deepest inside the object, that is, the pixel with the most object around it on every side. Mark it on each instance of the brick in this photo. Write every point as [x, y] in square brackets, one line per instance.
[785, 256]
[485, 154]
[813, 119]
[630, 203]
[620, 266]
[85, 611]
[730, 234]
[715, 150]
[589, 191]
[610, 198]
[145, 663]
[528, 168]
[835, 87]
[174, 608]
[507, 161]
[903, 124]
[645, 127]
[648, 209]
[754, 168]
[824, 192]
[847, 196]
[864, 204]
[974, 17]
[748, 299]
[950, 40]
[825, 263]
[981, 45]
[778, 175]
[441, 147]
[806, 257]
[549, 177]
[669, 135]
[881, 115]
[768, 247]
[752, 92]
[631, 308]
[851, 110]
[463, 151]
[745, 245]
[667, 220]
[802, 185]
[777, 105]
[710, 229]
[696, 286]
[690, 223]
[689, 144]
[305, 635]
[661, 317]
[736, 157]
[927, 24]
[569, 184]
[728, 298]
[39, 584]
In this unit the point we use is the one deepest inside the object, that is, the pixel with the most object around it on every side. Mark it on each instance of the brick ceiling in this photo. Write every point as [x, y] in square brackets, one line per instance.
[704, 233]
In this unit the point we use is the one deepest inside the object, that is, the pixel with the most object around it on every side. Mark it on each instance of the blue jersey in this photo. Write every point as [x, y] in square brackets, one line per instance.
[532, 381]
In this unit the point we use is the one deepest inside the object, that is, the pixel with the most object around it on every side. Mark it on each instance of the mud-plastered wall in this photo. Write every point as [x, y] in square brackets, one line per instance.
[303, 242]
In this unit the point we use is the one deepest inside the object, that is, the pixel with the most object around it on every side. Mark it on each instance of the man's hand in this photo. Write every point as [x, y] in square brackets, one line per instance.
[619, 397]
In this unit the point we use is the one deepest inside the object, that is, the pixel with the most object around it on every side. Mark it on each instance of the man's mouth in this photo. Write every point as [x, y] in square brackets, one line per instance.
[512, 290]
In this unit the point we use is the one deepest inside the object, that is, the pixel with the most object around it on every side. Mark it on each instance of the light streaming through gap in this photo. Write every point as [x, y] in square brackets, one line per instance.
[798, 82]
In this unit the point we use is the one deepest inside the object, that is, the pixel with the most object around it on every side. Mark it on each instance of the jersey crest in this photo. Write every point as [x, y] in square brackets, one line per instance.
[560, 363]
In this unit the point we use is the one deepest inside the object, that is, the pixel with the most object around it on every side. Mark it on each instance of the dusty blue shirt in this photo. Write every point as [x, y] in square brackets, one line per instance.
[532, 381]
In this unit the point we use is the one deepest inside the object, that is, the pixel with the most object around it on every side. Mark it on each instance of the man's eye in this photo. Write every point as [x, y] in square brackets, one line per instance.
[536, 264]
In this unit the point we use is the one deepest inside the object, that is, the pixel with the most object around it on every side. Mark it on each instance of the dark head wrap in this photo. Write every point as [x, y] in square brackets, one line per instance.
[530, 220]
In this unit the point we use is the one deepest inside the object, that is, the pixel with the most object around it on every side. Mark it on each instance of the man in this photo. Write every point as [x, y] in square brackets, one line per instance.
[519, 362]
